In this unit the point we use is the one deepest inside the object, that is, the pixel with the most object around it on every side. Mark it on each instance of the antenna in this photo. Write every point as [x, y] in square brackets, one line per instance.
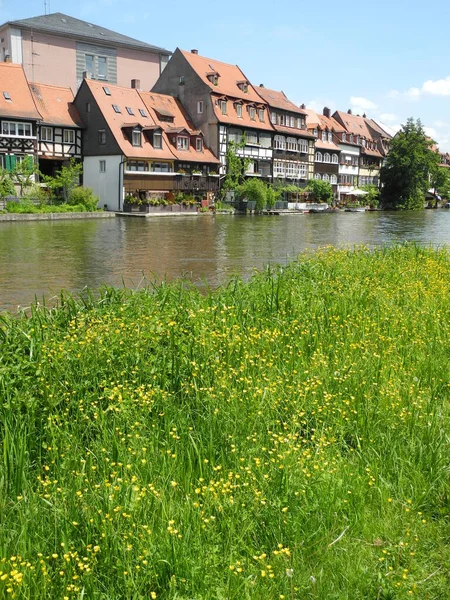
[46, 7]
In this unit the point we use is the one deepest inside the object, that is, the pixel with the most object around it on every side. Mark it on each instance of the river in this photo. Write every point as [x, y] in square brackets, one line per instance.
[39, 258]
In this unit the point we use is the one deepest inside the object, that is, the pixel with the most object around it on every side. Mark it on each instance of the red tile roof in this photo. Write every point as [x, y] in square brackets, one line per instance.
[14, 83]
[228, 77]
[279, 100]
[293, 131]
[327, 146]
[231, 118]
[55, 105]
[164, 105]
[354, 124]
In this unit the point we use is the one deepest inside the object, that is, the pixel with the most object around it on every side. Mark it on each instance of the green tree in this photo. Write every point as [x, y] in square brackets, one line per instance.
[373, 195]
[65, 180]
[6, 184]
[321, 191]
[236, 167]
[254, 190]
[24, 172]
[411, 166]
[441, 182]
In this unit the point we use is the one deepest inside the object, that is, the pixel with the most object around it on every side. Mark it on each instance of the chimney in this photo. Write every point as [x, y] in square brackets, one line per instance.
[261, 85]
[136, 84]
[7, 58]
[349, 112]
[327, 112]
[194, 51]
[303, 106]
[87, 75]
[364, 116]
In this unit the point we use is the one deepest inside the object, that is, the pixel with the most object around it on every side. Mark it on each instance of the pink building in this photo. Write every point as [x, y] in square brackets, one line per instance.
[57, 49]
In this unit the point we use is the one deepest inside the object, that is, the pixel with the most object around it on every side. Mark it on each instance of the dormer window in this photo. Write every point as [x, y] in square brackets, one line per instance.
[324, 136]
[182, 143]
[252, 113]
[273, 118]
[330, 136]
[199, 145]
[261, 114]
[157, 140]
[357, 140]
[239, 110]
[351, 138]
[344, 137]
[243, 86]
[316, 132]
[223, 106]
[136, 137]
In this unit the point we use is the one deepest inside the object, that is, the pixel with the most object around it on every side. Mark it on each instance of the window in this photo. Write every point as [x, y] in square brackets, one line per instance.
[317, 176]
[116, 108]
[239, 110]
[357, 139]
[46, 134]
[303, 146]
[324, 136]
[142, 113]
[344, 137]
[351, 138]
[88, 107]
[69, 136]
[278, 169]
[161, 168]
[292, 121]
[302, 171]
[316, 133]
[106, 90]
[182, 143]
[273, 118]
[333, 179]
[137, 165]
[334, 159]
[364, 143]
[223, 106]
[326, 157]
[251, 137]
[330, 136]
[279, 142]
[199, 145]
[90, 65]
[200, 107]
[291, 144]
[101, 137]
[129, 110]
[261, 114]
[7, 96]
[252, 112]
[235, 135]
[326, 177]
[102, 166]
[102, 67]
[318, 156]
[136, 137]
[181, 80]
[157, 140]
[265, 140]
[17, 129]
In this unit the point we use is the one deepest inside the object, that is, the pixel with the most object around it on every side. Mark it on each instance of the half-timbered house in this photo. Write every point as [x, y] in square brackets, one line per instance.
[18, 117]
[222, 103]
[293, 144]
[59, 132]
[135, 143]
[327, 152]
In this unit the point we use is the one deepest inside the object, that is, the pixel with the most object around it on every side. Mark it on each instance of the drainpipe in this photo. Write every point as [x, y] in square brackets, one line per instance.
[121, 176]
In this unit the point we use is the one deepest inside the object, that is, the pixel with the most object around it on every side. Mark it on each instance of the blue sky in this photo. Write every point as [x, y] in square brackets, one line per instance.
[387, 58]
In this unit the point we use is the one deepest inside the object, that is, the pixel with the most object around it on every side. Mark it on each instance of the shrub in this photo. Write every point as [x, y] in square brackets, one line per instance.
[84, 197]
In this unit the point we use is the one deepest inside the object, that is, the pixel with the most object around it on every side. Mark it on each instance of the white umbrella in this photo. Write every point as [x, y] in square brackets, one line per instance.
[355, 193]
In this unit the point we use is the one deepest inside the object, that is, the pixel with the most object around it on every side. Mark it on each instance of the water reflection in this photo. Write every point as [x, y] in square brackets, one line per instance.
[38, 259]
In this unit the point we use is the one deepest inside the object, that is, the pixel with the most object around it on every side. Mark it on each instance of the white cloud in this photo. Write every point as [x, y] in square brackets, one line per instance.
[413, 92]
[360, 102]
[388, 118]
[440, 124]
[393, 94]
[430, 132]
[440, 87]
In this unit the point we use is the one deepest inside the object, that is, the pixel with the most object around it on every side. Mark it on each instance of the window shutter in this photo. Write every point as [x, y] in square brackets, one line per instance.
[10, 162]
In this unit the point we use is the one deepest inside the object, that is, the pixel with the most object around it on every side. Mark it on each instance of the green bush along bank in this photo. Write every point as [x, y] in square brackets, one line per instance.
[278, 439]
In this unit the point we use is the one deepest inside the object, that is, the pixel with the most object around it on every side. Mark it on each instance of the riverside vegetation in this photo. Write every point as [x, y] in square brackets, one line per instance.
[278, 439]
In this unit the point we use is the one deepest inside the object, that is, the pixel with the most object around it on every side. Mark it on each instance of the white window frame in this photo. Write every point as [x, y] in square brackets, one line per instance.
[252, 113]
[327, 157]
[303, 146]
[6, 126]
[136, 137]
[239, 110]
[317, 176]
[69, 136]
[199, 145]
[333, 179]
[46, 134]
[279, 142]
[199, 107]
[223, 107]
[182, 142]
[261, 115]
[158, 135]
[251, 138]
[318, 157]
[326, 177]
[334, 159]
[291, 144]
[273, 118]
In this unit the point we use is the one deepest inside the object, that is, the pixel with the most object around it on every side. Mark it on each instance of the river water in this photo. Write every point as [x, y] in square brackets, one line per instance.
[39, 258]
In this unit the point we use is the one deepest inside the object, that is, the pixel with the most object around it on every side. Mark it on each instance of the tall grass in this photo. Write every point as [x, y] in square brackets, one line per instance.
[282, 438]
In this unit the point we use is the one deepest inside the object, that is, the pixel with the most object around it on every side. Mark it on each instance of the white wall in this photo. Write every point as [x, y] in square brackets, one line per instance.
[15, 36]
[105, 185]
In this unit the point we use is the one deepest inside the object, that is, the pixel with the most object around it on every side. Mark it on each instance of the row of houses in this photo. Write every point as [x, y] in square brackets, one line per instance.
[148, 124]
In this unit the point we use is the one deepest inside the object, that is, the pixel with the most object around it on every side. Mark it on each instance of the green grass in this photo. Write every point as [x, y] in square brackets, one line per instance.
[284, 438]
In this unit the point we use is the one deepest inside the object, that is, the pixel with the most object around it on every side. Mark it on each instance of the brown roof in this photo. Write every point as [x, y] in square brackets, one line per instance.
[14, 83]
[293, 131]
[378, 128]
[369, 152]
[162, 104]
[228, 76]
[55, 105]
[279, 100]
[231, 118]
[327, 146]
[354, 124]
[127, 97]
[330, 124]
[312, 119]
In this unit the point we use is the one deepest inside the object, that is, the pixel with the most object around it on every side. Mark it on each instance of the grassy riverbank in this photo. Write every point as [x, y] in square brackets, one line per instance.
[286, 438]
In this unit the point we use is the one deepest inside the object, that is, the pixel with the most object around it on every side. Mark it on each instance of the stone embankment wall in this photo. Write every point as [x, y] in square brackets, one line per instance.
[56, 216]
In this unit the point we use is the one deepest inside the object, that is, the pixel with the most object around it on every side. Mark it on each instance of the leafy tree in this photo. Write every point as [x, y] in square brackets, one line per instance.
[320, 190]
[254, 190]
[65, 180]
[272, 196]
[410, 167]
[6, 184]
[441, 182]
[23, 173]
[236, 167]
[373, 195]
